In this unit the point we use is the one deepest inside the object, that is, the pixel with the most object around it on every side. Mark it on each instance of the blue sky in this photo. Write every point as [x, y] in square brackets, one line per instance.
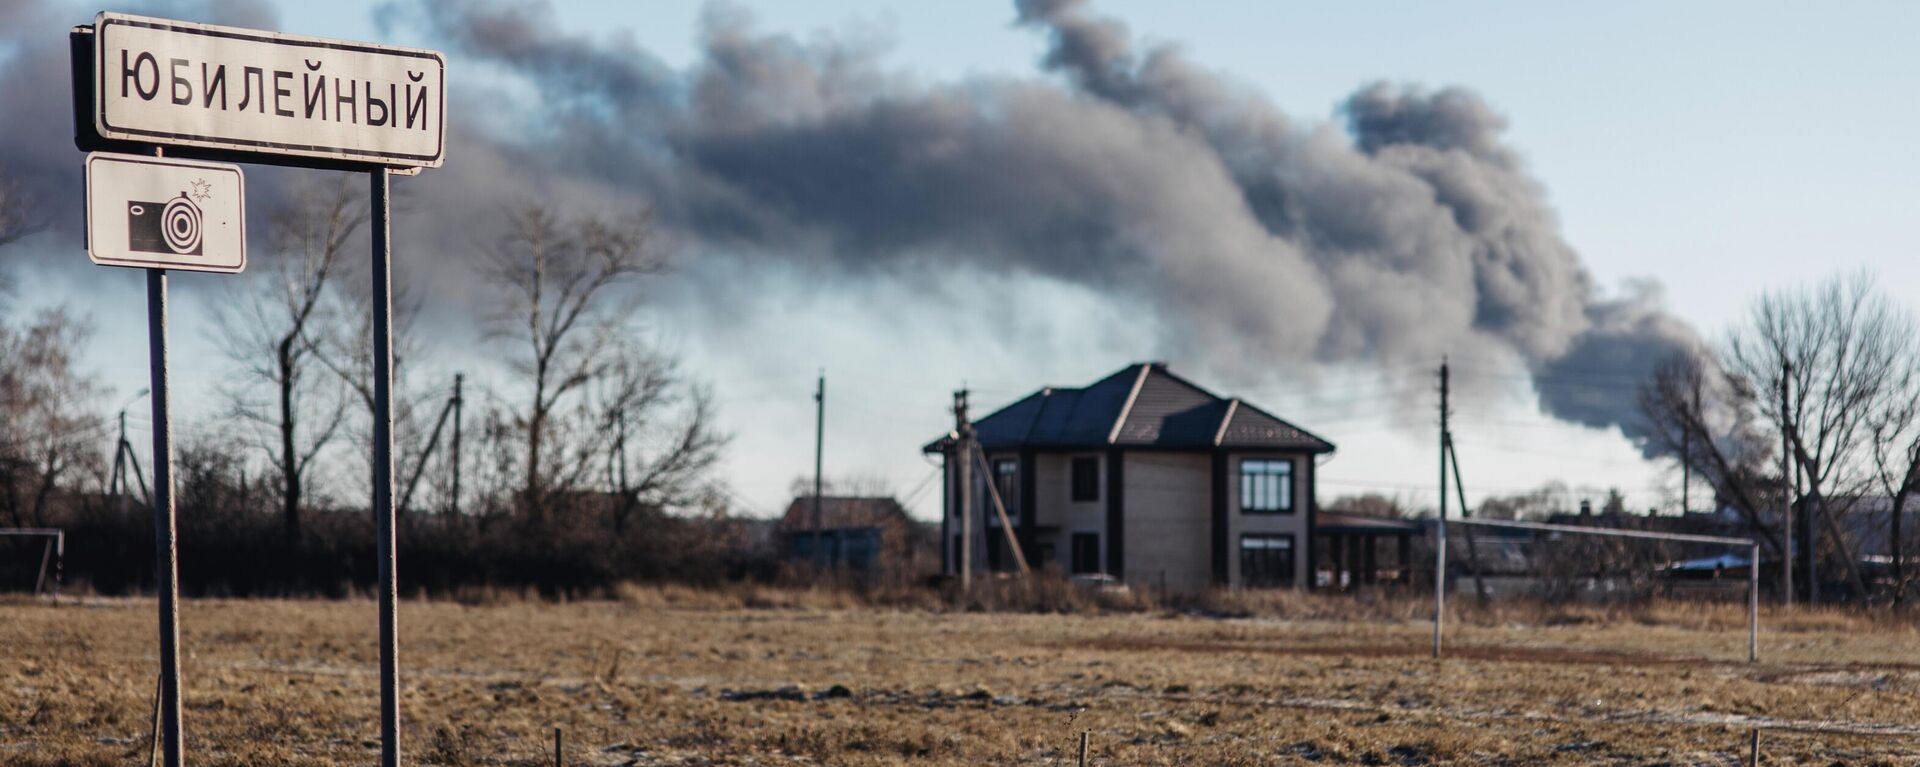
[1719, 148]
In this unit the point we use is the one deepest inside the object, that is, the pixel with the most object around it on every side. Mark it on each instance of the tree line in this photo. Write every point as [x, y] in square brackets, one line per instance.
[1812, 401]
[585, 454]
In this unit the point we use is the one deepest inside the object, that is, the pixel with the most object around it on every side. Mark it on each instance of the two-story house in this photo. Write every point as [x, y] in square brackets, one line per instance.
[1143, 476]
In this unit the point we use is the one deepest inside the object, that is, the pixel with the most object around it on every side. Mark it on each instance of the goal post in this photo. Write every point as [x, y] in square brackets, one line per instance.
[52, 556]
[1753, 564]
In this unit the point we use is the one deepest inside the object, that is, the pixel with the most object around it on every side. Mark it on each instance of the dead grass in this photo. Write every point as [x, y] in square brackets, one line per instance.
[760, 675]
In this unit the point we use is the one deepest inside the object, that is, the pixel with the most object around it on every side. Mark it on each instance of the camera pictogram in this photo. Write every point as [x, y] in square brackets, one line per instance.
[171, 227]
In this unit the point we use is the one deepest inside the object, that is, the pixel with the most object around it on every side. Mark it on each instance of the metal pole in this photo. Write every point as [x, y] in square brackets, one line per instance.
[117, 485]
[1753, 604]
[458, 401]
[1786, 494]
[1440, 527]
[166, 564]
[1439, 582]
[383, 467]
[819, 450]
[46, 558]
[963, 456]
[59, 562]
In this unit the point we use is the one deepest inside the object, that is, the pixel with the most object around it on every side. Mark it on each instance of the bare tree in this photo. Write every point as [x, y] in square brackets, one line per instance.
[344, 345]
[1378, 505]
[1539, 503]
[270, 333]
[1894, 426]
[1838, 345]
[48, 430]
[857, 484]
[1694, 410]
[19, 211]
[663, 439]
[1896, 469]
[564, 310]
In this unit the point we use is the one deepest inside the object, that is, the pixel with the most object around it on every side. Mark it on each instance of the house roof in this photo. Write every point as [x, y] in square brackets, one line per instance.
[1142, 405]
[840, 512]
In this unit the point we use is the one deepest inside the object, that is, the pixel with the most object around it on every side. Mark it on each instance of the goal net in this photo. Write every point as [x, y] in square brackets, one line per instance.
[1486, 559]
[30, 560]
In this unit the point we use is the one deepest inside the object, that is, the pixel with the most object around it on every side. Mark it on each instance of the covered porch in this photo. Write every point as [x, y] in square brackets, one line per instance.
[1347, 555]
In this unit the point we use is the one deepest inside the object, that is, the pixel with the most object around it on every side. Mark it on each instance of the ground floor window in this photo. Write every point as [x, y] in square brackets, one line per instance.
[1086, 553]
[1266, 559]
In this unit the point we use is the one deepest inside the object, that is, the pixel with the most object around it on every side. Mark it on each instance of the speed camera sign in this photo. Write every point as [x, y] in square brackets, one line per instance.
[164, 213]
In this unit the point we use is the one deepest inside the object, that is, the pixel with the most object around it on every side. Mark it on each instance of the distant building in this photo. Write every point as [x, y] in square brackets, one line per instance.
[866, 535]
[1146, 477]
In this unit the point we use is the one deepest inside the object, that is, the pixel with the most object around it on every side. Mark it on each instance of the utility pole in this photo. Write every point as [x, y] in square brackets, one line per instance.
[819, 451]
[963, 458]
[1786, 493]
[458, 400]
[1686, 456]
[420, 465]
[125, 463]
[117, 486]
[1473, 549]
[1440, 528]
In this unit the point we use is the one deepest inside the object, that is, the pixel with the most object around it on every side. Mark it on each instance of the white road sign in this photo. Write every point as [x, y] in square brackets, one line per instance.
[160, 81]
[166, 213]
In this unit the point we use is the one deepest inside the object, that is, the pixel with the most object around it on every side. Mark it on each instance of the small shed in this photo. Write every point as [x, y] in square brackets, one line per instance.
[853, 533]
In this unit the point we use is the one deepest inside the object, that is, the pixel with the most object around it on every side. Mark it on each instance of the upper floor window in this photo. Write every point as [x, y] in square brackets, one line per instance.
[1266, 486]
[1006, 479]
[1086, 478]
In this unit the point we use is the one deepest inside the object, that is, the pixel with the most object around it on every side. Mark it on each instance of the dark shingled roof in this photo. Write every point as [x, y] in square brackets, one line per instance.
[1142, 405]
[838, 512]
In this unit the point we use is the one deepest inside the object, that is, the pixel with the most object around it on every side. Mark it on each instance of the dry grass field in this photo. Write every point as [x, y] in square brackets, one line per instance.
[677, 677]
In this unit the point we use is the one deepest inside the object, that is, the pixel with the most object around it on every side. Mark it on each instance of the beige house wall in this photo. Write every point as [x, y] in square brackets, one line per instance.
[1167, 513]
[1054, 494]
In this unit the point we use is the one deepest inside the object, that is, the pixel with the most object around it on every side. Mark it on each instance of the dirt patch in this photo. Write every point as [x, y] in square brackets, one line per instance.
[292, 683]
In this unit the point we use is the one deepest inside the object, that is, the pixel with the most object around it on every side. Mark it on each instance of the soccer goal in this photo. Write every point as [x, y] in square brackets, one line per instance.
[1554, 532]
[51, 551]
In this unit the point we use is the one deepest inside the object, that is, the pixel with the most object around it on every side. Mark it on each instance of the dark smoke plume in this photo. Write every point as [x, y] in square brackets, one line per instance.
[1253, 247]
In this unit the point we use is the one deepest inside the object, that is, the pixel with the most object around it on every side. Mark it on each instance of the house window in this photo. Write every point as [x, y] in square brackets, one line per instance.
[1006, 480]
[1086, 479]
[1266, 487]
[1266, 560]
[1086, 553]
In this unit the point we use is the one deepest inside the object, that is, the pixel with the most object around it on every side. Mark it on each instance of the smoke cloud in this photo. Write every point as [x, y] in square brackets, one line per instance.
[1253, 247]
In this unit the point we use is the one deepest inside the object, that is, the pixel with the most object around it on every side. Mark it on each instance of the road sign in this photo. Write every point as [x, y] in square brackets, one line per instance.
[166, 213]
[159, 81]
[221, 93]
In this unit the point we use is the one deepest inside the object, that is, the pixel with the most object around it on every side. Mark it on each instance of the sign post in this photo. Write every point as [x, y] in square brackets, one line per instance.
[383, 467]
[212, 93]
[165, 545]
